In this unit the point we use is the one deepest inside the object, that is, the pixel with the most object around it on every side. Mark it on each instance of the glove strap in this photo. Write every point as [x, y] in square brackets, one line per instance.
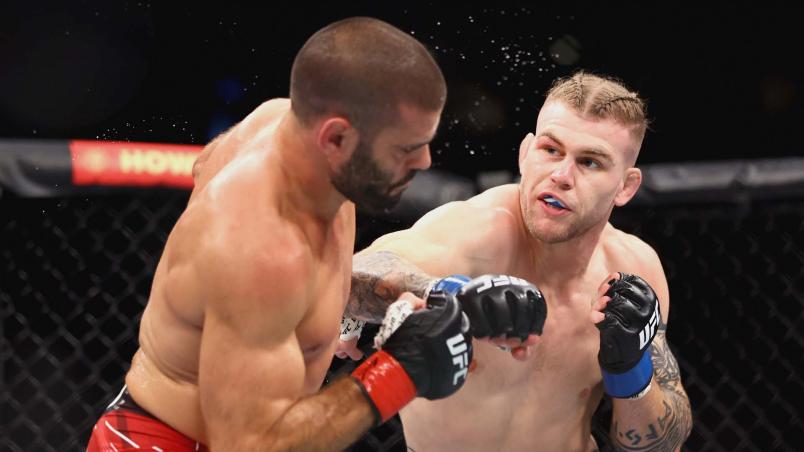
[385, 383]
[350, 328]
[451, 284]
[631, 382]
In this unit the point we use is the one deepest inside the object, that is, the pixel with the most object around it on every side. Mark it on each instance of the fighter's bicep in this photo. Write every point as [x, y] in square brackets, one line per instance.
[457, 237]
[251, 365]
[427, 252]
[243, 380]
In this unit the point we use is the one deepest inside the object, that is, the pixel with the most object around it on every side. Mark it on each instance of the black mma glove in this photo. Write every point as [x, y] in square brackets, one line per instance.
[631, 319]
[427, 356]
[498, 305]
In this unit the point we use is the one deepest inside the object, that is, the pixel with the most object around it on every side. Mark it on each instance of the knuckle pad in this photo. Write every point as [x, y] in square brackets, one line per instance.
[491, 315]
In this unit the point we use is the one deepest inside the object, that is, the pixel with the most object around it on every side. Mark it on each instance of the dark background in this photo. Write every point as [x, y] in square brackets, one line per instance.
[722, 81]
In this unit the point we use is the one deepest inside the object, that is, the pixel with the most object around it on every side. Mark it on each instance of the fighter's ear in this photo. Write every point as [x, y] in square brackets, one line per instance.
[337, 138]
[524, 147]
[631, 183]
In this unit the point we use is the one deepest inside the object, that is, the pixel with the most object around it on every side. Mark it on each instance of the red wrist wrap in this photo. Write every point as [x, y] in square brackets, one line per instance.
[386, 383]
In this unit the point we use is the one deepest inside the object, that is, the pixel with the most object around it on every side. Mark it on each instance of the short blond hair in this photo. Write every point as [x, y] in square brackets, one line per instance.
[601, 97]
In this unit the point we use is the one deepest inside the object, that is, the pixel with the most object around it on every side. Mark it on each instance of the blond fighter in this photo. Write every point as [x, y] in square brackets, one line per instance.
[551, 229]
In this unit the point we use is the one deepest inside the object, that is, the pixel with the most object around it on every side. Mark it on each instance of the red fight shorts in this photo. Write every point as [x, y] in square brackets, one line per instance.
[125, 426]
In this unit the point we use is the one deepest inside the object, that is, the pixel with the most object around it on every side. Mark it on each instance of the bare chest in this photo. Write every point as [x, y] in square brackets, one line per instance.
[551, 395]
[566, 357]
[562, 368]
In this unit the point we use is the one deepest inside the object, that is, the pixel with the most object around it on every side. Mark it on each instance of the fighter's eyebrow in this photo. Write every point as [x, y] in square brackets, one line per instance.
[587, 151]
[417, 145]
[552, 137]
[598, 153]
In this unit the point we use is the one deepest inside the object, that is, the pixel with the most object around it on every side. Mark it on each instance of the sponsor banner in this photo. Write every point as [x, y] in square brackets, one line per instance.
[122, 164]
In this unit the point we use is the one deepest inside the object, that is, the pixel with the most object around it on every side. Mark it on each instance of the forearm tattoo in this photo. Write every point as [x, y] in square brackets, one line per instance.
[669, 430]
[377, 281]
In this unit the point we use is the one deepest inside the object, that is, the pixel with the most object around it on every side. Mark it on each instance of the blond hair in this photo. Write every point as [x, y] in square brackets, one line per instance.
[601, 97]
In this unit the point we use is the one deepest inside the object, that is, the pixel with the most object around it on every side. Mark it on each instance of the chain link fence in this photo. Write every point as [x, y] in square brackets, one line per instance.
[77, 272]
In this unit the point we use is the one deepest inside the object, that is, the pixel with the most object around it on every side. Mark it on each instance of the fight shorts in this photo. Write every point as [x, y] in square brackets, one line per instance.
[125, 426]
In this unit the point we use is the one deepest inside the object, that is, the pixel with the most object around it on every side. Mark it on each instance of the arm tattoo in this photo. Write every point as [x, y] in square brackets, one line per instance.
[669, 430]
[377, 281]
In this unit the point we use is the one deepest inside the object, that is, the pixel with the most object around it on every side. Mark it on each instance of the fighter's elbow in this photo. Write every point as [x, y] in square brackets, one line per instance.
[686, 425]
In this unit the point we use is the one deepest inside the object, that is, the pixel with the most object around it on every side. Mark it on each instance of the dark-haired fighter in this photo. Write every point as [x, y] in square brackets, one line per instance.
[244, 312]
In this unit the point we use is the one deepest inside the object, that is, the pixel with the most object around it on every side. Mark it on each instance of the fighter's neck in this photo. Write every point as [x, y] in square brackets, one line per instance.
[304, 172]
[562, 263]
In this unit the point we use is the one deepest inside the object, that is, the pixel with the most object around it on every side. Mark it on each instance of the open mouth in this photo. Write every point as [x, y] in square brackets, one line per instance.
[553, 203]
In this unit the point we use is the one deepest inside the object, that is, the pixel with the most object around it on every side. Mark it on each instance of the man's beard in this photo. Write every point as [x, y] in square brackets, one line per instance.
[558, 235]
[362, 181]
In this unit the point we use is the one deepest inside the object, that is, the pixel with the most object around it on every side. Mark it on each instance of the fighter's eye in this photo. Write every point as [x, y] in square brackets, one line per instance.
[590, 163]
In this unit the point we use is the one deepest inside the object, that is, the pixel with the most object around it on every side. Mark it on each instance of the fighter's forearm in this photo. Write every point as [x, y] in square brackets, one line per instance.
[330, 420]
[662, 420]
[377, 281]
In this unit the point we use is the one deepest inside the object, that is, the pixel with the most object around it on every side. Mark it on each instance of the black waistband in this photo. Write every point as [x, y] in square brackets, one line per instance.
[123, 401]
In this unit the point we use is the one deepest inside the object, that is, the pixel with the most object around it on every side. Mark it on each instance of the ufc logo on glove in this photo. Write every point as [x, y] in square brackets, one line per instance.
[501, 281]
[646, 334]
[460, 357]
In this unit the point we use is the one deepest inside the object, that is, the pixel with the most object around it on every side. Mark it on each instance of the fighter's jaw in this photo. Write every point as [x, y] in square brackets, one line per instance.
[542, 222]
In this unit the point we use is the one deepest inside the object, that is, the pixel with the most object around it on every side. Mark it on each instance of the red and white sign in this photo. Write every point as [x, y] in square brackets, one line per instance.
[132, 164]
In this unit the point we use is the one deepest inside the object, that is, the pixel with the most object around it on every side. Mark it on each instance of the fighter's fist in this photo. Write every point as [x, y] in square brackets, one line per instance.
[433, 346]
[501, 305]
[427, 355]
[631, 316]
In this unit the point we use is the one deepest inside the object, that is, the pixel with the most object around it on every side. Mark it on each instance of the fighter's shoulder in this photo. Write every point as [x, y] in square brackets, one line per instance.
[487, 211]
[238, 254]
[261, 117]
[265, 113]
[628, 252]
[271, 107]
[500, 197]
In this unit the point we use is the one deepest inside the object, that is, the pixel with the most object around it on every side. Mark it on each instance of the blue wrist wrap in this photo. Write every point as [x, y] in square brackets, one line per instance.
[451, 284]
[631, 382]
